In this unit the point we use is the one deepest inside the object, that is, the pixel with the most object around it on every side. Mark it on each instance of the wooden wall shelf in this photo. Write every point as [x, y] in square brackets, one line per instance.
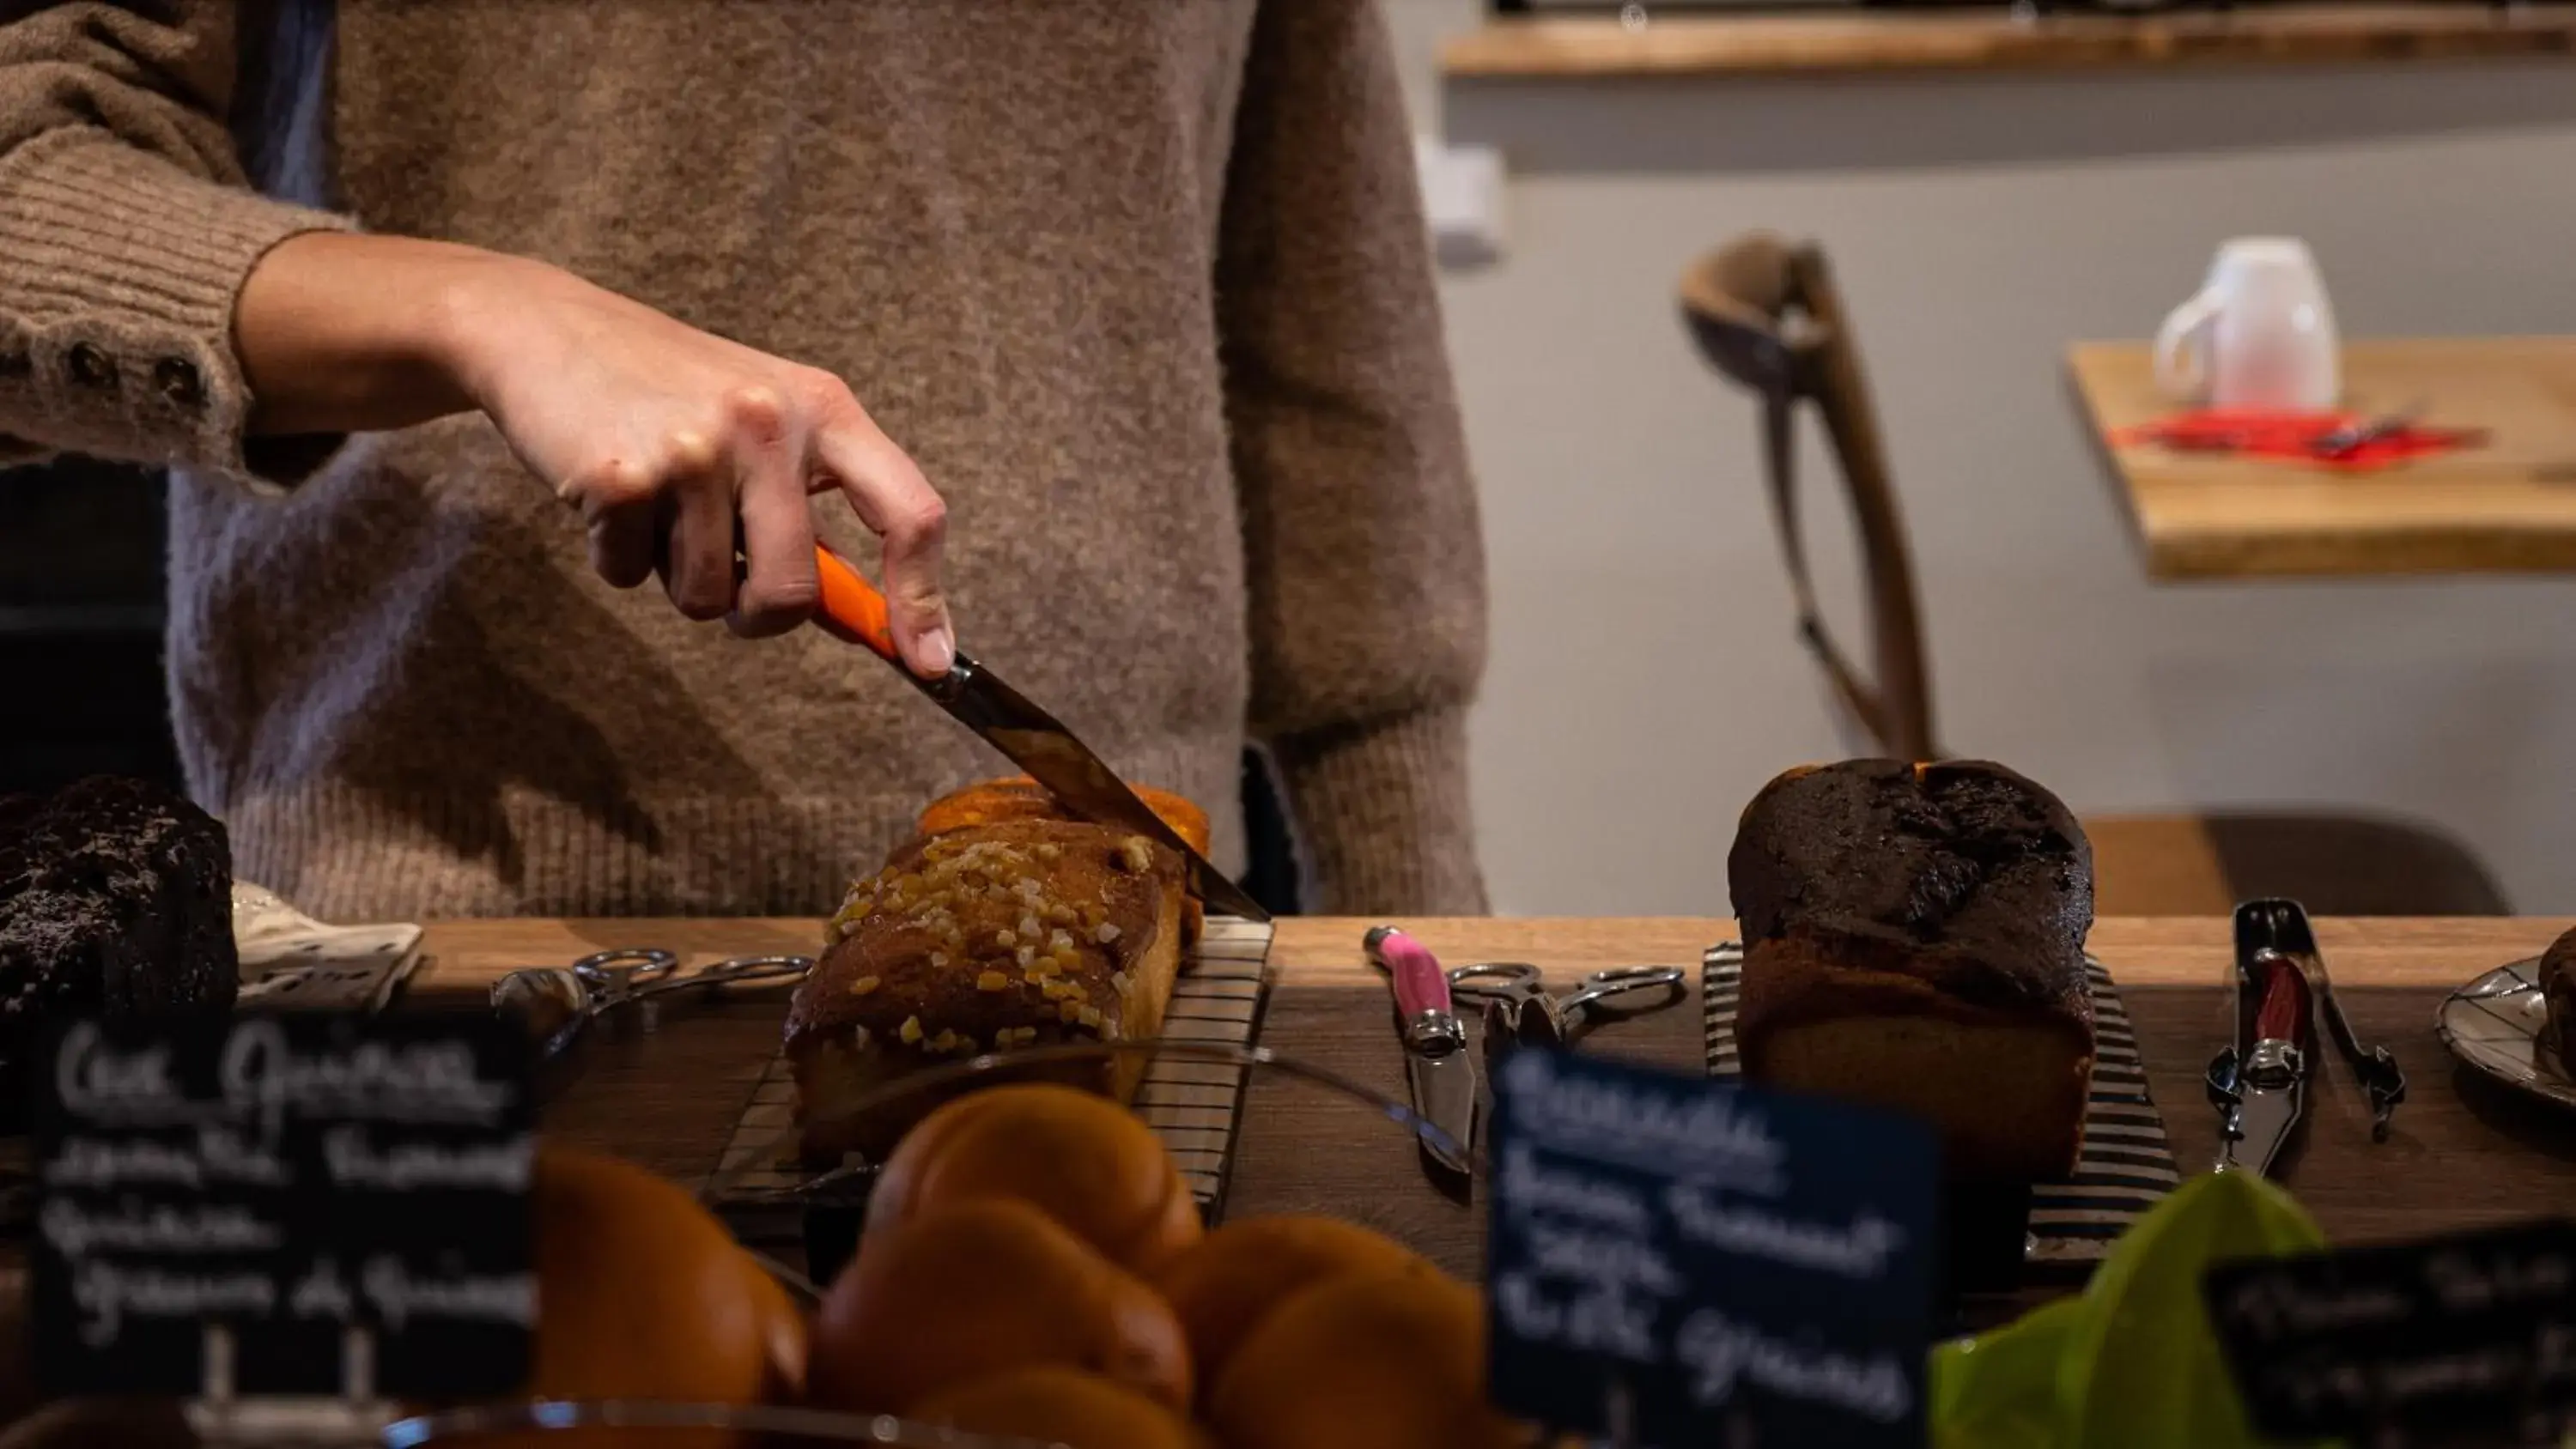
[1993, 40]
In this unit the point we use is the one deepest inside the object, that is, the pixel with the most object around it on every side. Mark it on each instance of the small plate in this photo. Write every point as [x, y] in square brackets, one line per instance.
[2494, 1024]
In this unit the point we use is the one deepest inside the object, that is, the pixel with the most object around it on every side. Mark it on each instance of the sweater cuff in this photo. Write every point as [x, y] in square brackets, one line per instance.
[116, 308]
[1384, 813]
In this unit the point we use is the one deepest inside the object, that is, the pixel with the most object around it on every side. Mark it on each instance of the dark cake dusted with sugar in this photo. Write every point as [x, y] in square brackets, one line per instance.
[1914, 939]
[115, 898]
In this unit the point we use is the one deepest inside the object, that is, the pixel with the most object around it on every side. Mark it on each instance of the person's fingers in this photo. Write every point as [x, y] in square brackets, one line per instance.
[621, 547]
[698, 555]
[779, 587]
[619, 508]
[892, 498]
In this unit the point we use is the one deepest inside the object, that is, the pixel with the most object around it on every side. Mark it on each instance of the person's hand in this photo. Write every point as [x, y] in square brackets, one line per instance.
[678, 447]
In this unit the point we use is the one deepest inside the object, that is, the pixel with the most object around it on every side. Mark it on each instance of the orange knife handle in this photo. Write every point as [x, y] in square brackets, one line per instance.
[851, 607]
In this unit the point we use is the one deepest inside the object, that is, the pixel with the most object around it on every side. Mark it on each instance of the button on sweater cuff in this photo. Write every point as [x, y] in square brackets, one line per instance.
[116, 314]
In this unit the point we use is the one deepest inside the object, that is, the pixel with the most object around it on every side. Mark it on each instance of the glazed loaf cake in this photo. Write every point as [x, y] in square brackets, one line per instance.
[1914, 940]
[1018, 933]
[1021, 798]
[115, 899]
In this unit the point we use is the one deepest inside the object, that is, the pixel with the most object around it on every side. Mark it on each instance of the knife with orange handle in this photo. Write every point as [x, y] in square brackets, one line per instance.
[853, 610]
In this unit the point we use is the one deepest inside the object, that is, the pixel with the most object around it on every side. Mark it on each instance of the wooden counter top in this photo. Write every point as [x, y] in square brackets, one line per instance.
[1323, 952]
[2463, 1152]
[1590, 47]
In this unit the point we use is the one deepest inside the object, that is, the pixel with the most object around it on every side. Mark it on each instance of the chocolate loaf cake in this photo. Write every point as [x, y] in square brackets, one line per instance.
[115, 899]
[1914, 939]
[2558, 994]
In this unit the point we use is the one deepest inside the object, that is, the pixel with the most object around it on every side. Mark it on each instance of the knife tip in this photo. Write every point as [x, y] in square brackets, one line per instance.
[1456, 1183]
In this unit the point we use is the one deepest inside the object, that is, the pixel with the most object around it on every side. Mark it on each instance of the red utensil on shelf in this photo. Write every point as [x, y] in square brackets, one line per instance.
[2337, 440]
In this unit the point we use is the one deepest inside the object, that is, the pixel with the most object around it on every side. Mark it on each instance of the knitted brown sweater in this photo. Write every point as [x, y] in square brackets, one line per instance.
[1142, 286]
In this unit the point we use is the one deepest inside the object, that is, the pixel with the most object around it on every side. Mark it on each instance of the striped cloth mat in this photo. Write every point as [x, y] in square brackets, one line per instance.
[2125, 1166]
[1194, 1106]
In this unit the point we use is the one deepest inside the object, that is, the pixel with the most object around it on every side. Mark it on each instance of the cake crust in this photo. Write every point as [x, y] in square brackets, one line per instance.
[1966, 875]
[1022, 798]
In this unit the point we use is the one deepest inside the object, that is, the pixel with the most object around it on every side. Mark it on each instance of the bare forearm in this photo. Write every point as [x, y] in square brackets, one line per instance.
[684, 452]
[349, 333]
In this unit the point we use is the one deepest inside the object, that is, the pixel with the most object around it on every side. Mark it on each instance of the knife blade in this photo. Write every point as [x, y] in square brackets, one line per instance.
[852, 609]
[1437, 1064]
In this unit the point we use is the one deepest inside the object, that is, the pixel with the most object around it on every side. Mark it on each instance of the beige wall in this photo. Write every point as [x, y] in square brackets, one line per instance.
[1645, 681]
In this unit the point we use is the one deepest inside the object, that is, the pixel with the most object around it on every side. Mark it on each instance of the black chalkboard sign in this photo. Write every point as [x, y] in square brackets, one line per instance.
[289, 1178]
[2472, 1334]
[1681, 1262]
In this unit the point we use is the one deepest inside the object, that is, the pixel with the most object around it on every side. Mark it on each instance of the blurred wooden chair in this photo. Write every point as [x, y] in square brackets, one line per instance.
[1766, 315]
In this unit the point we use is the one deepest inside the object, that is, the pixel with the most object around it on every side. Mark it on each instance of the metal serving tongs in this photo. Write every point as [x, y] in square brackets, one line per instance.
[1520, 1010]
[2259, 1083]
